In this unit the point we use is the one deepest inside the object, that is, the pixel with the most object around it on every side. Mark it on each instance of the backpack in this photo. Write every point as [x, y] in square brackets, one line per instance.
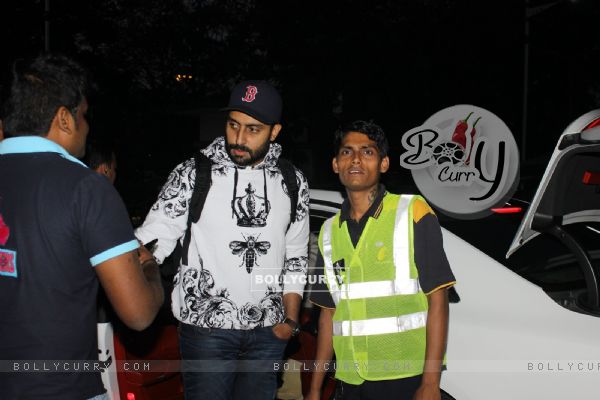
[202, 186]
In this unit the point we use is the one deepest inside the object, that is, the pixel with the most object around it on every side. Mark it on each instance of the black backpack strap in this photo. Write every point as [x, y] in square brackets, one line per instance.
[202, 184]
[288, 172]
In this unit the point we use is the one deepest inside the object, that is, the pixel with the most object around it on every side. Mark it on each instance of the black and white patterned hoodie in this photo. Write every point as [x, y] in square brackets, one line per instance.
[242, 256]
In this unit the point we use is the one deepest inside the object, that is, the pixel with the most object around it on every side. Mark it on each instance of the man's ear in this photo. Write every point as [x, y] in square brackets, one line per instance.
[384, 165]
[334, 165]
[275, 131]
[102, 169]
[62, 127]
[64, 120]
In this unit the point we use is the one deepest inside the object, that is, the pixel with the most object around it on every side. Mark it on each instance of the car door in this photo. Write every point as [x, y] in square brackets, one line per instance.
[567, 203]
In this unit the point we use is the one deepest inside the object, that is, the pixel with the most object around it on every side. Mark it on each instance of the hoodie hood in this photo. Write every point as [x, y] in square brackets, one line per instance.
[217, 153]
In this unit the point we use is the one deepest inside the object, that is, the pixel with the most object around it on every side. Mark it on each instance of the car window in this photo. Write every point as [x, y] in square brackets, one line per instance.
[317, 218]
[492, 235]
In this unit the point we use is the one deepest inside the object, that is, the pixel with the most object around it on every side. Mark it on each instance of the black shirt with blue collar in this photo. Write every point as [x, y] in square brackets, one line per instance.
[58, 220]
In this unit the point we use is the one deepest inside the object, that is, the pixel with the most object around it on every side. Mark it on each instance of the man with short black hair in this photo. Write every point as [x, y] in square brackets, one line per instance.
[384, 304]
[238, 295]
[63, 228]
[101, 157]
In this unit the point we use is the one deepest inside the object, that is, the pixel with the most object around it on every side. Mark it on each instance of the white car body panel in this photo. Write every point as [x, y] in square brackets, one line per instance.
[505, 325]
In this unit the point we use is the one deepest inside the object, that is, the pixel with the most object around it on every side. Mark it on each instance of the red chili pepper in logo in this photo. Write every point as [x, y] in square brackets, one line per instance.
[459, 132]
[473, 132]
[4, 231]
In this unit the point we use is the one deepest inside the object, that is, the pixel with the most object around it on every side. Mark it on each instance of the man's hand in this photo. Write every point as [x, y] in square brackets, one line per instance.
[324, 352]
[291, 306]
[144, 254]
[427, 392]
[437, 333]
[282, 331]
[135, 292]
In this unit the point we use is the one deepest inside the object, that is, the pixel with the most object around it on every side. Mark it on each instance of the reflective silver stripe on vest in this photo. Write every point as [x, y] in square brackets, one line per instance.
[403, 283]
[366, 290]
[334, 287]
[380, 326]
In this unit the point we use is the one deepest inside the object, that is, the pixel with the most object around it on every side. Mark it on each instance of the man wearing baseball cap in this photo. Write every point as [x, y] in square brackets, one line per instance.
[243, 267]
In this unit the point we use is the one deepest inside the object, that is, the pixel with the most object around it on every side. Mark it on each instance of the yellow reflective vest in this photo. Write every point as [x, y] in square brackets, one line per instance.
[381, 311]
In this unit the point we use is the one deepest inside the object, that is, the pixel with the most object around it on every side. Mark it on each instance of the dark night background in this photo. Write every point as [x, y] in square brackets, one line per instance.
[396, 62]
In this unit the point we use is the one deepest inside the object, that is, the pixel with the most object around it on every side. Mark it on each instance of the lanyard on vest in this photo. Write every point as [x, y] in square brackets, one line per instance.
[401, 285]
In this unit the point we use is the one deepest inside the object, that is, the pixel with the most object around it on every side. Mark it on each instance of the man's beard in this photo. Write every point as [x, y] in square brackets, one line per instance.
[253, 157]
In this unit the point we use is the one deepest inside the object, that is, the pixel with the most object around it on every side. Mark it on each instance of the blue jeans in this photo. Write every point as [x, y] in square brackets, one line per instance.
[226, 364]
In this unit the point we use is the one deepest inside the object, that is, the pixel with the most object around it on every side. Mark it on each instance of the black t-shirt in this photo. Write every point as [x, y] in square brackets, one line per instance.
[59, 220]
[430, 258]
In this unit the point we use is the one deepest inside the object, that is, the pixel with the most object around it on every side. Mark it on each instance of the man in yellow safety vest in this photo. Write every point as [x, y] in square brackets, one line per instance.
[382, 276]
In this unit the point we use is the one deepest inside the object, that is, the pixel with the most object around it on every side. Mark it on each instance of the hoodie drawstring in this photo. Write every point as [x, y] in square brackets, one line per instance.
[267, 208]
[235, 183]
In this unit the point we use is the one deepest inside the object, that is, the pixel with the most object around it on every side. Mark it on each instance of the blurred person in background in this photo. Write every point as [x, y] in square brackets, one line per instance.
[100, 156]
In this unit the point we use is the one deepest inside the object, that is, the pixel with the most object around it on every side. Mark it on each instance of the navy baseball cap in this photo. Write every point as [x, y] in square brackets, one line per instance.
[258, 99]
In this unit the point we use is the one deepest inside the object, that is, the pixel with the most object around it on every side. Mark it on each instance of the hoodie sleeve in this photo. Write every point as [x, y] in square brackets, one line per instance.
[296, 242]
[167, 219]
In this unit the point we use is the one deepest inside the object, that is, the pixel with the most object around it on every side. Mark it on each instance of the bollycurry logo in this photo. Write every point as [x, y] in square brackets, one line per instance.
[464, 160]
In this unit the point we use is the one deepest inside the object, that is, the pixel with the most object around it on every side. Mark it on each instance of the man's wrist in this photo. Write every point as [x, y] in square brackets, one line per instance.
[431, 378]
[295, 327]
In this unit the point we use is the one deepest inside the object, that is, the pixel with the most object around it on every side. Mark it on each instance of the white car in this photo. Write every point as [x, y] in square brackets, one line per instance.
[511, 338]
